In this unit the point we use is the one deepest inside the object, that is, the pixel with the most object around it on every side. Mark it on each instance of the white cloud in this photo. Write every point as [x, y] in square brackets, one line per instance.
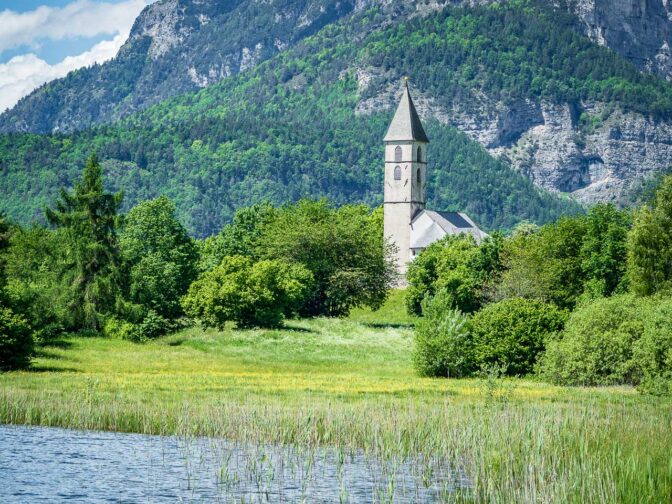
[81, 18]
[20, 75]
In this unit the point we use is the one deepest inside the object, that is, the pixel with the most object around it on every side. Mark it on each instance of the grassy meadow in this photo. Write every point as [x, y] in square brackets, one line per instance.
[350, 384]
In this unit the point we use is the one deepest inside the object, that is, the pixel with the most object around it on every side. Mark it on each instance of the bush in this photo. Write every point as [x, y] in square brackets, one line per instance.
[653, 352]
[151, 326]
[596, 346]
[513, 333]
[250, 294]
[443, 345]
[457, 266]
[615, 341]
[343, 248]
[117, 329]
[16, 341]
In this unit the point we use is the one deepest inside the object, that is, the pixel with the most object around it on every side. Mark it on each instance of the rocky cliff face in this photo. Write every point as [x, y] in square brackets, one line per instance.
[591, 151]
[639, 30]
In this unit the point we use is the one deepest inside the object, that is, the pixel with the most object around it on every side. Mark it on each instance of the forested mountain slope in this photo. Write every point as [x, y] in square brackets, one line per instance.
[175, 46]
[286, 129]
[515, 77]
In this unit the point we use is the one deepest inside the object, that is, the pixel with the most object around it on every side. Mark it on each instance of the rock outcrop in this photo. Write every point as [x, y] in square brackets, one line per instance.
[639, 30]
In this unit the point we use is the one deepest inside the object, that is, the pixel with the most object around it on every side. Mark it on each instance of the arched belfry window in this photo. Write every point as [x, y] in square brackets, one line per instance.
[419, 153]
[419, 177]
[397, 154]
[397, 173]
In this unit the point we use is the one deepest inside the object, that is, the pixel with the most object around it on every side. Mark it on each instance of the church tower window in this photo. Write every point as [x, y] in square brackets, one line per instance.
[397, 173]
[419, 177]
[419, 153]
[397, 154]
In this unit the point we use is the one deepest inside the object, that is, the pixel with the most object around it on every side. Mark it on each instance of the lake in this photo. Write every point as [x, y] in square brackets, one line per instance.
[57, 465]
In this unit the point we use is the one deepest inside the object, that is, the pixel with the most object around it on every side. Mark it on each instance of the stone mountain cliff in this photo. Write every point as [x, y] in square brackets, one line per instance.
[639, 30]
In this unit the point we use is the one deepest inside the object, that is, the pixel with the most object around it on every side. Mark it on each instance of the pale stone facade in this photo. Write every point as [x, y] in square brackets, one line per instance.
[407, 224]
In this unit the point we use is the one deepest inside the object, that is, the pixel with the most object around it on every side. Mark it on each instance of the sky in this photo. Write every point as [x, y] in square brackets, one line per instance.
[42, 40]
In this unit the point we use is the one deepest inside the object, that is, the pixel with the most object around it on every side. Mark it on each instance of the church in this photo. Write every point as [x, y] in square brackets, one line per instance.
[408, 224]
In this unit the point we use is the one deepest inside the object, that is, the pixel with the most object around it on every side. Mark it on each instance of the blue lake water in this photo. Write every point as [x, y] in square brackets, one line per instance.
[58, 465]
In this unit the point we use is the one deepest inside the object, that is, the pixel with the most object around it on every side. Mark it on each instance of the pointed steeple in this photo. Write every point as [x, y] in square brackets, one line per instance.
[406, 125]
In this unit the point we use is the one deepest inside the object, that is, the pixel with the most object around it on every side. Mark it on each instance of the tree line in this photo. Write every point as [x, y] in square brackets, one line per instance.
[138, 275]
[583, 301]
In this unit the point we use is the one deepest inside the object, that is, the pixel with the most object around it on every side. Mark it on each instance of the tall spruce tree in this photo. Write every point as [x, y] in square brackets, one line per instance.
[89, 217]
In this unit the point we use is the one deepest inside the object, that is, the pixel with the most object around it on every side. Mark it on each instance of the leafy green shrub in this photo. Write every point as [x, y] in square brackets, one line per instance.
[443, 345]
[596, 346]
[513, 333]
[250, 294]
[458, 267]
[118, 329]
[16, 341]
[151, 326]
[343, 248]
[618, 340]
[653, 352]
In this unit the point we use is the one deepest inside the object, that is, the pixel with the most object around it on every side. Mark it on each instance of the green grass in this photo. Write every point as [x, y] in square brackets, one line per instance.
[350, 384]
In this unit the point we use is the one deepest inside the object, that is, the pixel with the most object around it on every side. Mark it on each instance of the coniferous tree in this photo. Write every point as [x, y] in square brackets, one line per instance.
[89, 217]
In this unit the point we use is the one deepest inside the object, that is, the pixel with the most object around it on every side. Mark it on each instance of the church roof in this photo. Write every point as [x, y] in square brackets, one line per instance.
[430, 226]
[406, 125]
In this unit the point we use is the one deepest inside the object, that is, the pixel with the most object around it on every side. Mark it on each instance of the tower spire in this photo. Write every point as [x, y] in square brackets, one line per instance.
[406, 124]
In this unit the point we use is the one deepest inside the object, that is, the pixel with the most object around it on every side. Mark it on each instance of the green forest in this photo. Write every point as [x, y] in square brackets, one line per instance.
[287, 129]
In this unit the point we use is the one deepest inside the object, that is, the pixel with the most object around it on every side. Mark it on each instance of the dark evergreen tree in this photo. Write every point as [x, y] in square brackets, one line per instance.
[89, 217]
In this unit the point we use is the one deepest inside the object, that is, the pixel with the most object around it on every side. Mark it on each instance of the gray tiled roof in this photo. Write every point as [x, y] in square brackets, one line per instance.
[406, 125]
[442, 224]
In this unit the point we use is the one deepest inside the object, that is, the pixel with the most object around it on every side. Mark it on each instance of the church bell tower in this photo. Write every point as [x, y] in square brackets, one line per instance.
[405, 178]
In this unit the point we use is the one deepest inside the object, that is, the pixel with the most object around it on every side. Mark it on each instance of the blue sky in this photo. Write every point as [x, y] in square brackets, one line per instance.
[41, 40]
[27, 5]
